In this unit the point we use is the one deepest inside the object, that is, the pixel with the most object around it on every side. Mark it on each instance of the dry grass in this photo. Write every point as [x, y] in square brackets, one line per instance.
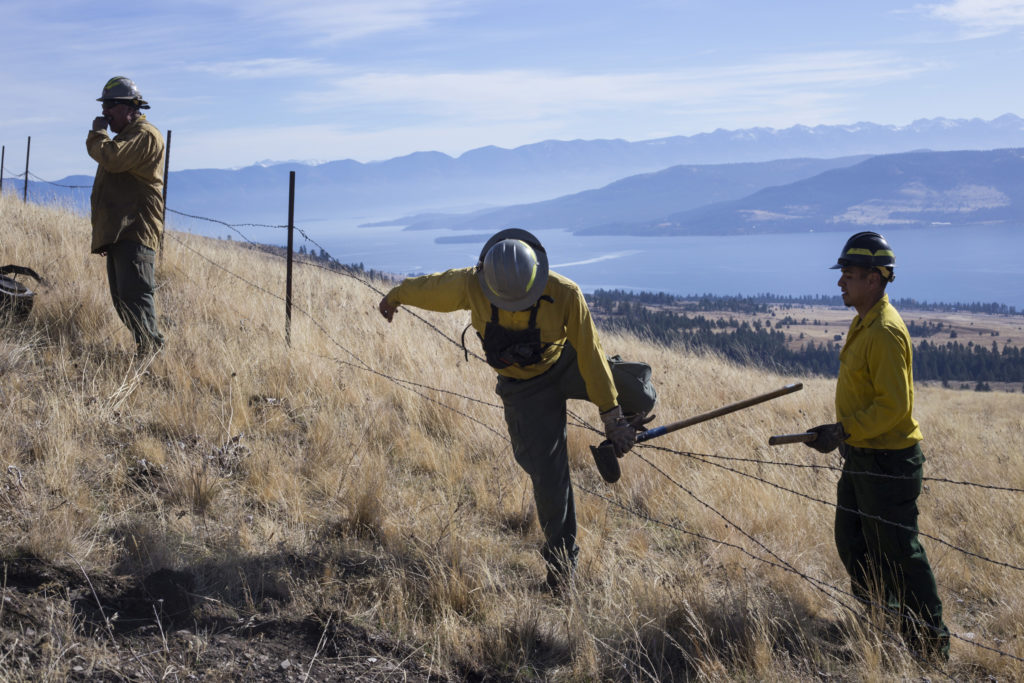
[306, 485]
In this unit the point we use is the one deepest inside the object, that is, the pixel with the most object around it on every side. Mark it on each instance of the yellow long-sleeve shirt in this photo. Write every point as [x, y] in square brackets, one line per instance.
[127, 194]
[567, 319]
[875, 390]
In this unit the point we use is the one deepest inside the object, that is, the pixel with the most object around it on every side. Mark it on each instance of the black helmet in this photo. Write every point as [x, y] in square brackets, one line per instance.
[513, 269]
[123, 88]
[868, 250]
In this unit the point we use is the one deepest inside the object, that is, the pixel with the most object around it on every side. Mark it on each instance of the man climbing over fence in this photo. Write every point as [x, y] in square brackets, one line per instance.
[128, 206]
[537, 332]
[876, 517]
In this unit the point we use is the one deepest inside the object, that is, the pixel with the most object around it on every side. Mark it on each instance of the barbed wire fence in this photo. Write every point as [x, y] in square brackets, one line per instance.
[828, 589]
[840, 596]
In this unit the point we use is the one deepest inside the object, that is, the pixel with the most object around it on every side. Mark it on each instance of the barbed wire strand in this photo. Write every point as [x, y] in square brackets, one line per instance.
[783, 562]
[877, 475]
[859, 513]
[407, 384]
[233, 226]
[341, 270]
[779, 565]
[50, 182]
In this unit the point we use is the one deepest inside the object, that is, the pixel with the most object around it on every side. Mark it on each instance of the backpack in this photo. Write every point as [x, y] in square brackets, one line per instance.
[15, 298]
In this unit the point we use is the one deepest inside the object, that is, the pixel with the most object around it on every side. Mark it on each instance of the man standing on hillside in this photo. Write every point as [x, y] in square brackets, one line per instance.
[876, 516]
[128, 206]
[538, 334]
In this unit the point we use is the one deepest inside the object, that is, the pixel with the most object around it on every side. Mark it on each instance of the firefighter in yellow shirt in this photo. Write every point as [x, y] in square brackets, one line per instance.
[876, 516]
[538, 334]
[128, 206]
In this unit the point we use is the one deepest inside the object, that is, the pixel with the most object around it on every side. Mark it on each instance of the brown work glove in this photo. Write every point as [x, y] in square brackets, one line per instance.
[617, 430]
[387, 309]
[829, 437]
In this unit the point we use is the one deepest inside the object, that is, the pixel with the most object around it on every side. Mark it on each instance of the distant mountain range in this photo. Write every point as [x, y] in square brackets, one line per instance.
[893, 191]
[346, 191]
[637, 199]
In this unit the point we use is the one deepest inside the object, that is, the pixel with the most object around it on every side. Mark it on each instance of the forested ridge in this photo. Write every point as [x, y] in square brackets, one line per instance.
[685, 321]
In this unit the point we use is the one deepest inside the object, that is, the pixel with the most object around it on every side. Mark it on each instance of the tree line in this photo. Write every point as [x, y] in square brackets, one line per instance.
[761, 303]
[763, 345]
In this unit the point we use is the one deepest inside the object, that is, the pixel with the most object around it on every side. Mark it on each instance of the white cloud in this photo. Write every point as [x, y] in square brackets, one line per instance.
[350, 19]
[987, 16]
[267, 67]
[519, 94]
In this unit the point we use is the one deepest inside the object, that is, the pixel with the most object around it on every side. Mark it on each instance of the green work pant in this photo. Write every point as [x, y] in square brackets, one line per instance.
[131, 280]
[535, 411]
[885, 556]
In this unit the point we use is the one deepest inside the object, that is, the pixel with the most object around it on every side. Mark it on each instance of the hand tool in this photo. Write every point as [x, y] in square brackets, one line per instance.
[608, 462]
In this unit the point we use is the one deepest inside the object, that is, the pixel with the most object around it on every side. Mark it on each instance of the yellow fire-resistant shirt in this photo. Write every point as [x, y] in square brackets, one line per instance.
[567, 319]
[875, 390]
[127, 194]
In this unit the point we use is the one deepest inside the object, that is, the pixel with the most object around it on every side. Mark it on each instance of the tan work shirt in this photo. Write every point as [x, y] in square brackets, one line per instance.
[127, 194]
[875, 390]
[567, 319]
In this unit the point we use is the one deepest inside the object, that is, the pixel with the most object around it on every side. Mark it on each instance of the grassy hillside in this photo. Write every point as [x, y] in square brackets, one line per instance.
[235, 508]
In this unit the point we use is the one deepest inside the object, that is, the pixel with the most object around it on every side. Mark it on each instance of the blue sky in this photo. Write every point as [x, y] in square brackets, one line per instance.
[240, 82]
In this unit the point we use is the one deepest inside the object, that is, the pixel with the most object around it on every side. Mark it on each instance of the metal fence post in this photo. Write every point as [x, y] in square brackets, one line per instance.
[167, 168]
[288, 277]
[28, 149]
[3, 155]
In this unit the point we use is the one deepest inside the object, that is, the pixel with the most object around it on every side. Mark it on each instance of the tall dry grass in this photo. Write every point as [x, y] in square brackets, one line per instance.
[322, 480]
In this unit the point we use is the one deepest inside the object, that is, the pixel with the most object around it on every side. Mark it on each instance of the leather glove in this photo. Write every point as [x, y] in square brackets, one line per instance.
[617, 430]
[829, 437]
[387, 309]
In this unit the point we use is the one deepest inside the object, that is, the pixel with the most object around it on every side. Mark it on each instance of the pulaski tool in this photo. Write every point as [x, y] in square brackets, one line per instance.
[608, 462]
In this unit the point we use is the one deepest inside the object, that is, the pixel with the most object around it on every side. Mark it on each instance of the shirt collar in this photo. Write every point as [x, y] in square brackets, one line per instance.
[873, 314]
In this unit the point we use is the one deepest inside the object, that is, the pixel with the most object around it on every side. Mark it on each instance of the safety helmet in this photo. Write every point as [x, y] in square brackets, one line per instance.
[868, 250]
[513, 269]
[123, 88]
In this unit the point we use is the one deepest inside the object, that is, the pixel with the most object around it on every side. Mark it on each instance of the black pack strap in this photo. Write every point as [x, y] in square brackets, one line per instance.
[465, 351]
[20, 270]
[536, 307]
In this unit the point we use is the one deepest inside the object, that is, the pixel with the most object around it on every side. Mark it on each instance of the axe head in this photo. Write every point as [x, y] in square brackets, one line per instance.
[607, 461]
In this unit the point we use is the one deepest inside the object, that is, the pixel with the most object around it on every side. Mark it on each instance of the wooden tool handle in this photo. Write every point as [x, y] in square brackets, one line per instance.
[803, 437]
[718, 412]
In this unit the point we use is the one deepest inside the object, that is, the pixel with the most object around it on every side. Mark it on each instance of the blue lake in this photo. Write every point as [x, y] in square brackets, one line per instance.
[936, 264]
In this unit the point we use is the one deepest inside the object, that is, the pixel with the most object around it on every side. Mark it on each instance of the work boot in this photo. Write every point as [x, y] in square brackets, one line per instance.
[561, 569]
[931, 643]
[560, 580]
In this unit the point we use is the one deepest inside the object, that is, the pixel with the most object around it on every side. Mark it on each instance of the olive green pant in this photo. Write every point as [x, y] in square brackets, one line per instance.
[886, 559]
[535, 411]
[130, 276]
